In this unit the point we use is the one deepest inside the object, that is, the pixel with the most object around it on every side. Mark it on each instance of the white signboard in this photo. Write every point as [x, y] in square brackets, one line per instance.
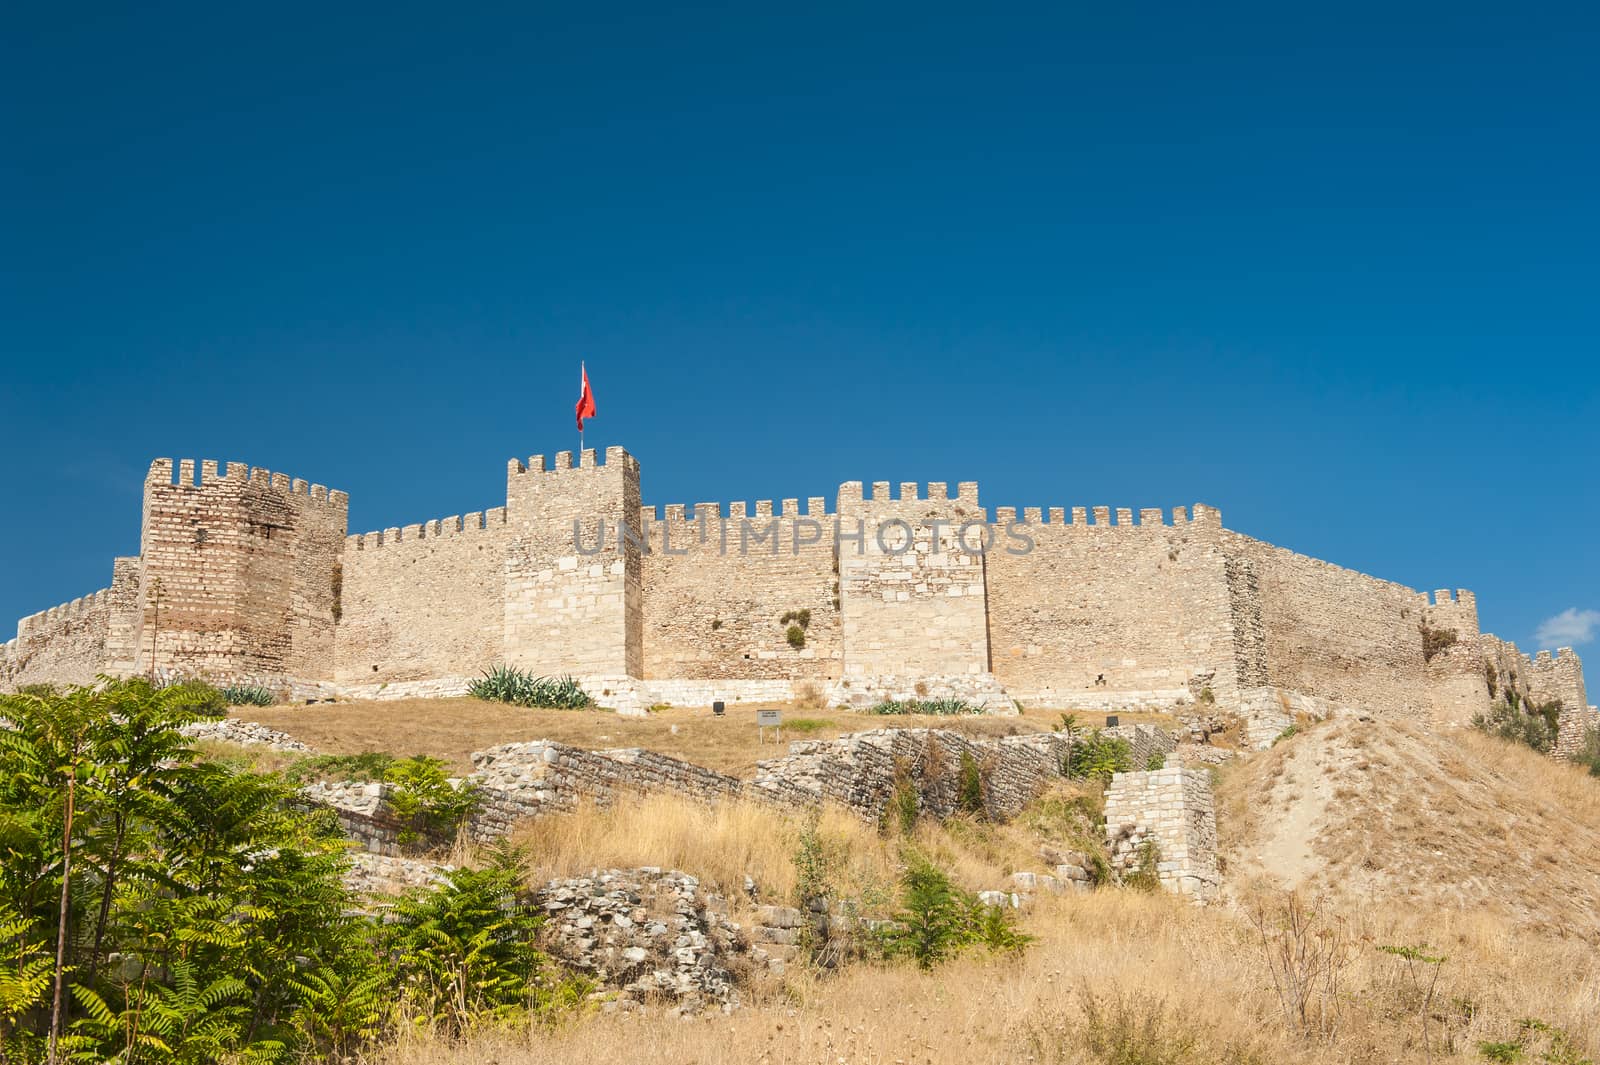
[769, 718]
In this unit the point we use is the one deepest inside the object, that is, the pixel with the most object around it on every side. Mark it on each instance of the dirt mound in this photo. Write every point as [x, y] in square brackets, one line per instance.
[1381, 812]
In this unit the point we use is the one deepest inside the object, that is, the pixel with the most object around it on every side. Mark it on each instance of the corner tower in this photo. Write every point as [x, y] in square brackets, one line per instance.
[236, 575]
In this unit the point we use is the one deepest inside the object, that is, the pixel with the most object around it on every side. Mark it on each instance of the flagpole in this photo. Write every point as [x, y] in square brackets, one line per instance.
[583, 375]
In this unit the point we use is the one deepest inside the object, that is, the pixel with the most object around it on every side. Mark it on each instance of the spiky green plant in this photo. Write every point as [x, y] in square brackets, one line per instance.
[504, 684]
[947, 707]
[248, 695]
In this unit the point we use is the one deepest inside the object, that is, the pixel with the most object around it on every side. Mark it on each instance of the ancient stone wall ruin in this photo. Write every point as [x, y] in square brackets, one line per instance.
[1170, 812]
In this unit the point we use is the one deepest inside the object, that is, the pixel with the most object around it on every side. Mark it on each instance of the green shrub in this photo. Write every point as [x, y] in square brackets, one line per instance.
[208, 918]
[1588, 755]
[805, 725]
[930, 707]
[1435, 640]
[1146, 876]
[427, 804]
[1514, 719]
[503, 684]
[1156, 761]
[1096, 756]
[464, 951]
[796, 637]
[1287, 734]
[969, 796]
[248, 695]
[799, 617]
[937, 920]
[905, 802]
[369, 765]
[1535, 1041]
[814, 866]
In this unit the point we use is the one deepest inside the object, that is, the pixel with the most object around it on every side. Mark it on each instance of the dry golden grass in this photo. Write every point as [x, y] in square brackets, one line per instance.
[723, 844]
[1455, 820]
[453, 728]
[1192, 981]
[1504, 901]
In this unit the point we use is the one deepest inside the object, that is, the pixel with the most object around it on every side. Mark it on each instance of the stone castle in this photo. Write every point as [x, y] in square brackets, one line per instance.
[246, 575]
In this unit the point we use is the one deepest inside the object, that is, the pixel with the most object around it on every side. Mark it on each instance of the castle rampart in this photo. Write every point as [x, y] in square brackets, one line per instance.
[892, 589]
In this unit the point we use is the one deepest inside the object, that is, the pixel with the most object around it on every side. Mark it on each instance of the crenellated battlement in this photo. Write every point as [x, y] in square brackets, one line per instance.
[816, 507]
[476, 521]
[853, 494]
[1102, 517]
[238, 475]
[45, 620]
[588, 459]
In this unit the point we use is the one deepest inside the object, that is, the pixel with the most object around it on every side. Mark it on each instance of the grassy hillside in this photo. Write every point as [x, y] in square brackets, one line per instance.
[1445, 822]
[1474, 857]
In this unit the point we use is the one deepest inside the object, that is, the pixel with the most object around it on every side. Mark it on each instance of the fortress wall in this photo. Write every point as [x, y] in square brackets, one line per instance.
[1560, 677]
[1455, 612]
[63, 645]
[1459, 675]
[715, 588]
[1336, 633]
[911, 605]
[1145, 606]
[423, 601]
[223, 591]
[125, 624]
[1458, 685]
[574, 600]
[315, 579]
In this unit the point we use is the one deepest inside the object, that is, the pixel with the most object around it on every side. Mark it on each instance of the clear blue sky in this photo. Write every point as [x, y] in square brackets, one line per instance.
[1334, 271]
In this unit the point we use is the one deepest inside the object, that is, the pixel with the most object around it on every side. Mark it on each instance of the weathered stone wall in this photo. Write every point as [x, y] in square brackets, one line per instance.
[1098, 607]
[1336, 633]
[1172, 807]
[716, 589]
[1559, 677]
[125, 620]
[861, 771]
[912, 600]
[63, 645]
[423, 601]
[652, 934]
[238, 571]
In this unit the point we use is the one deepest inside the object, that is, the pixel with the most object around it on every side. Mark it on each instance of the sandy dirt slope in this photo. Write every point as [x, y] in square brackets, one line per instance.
[1379, 811]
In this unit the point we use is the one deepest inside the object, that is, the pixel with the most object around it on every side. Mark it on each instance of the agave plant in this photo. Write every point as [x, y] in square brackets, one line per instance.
[503, 684]
[930, 707]
[248, 695]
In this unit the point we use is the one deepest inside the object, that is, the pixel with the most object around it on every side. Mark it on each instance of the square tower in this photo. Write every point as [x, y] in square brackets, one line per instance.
[574, 601]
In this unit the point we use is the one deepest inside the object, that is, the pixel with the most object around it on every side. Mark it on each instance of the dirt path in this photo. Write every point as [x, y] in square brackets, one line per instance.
[1299, 810]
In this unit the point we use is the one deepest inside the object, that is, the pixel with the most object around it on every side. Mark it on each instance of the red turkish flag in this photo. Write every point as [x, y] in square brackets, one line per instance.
[585, 401]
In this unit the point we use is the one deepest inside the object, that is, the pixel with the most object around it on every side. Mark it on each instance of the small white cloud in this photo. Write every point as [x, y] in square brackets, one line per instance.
[1568, 628]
